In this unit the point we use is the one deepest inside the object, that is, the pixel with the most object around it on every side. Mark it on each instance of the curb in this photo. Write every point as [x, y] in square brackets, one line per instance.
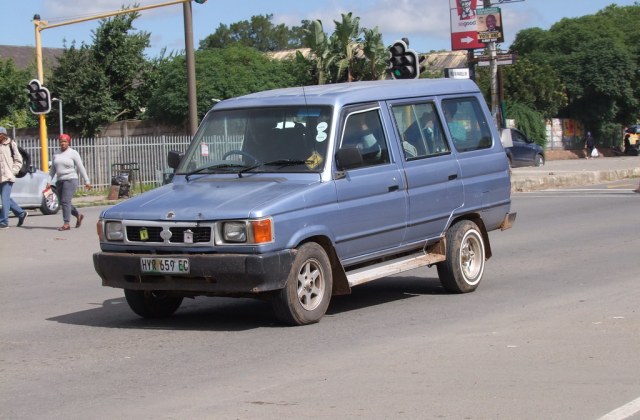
[521, 183]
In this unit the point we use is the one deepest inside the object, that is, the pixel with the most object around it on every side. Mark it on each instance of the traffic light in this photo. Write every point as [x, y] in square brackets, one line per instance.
[200, 1]
[422, 64]
[403, 63]
[39, 97]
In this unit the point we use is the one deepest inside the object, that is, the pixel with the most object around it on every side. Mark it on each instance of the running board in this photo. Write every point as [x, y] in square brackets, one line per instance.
[396, 266]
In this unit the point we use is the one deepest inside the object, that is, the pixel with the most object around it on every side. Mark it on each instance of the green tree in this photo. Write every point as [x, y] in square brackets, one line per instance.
[351, 53]
[120, 53]
[80, 82]
[222, 73]
[13, 98]
[597, 59]
[529, 121]
[107, 80]
[538, 86]
[259, 33]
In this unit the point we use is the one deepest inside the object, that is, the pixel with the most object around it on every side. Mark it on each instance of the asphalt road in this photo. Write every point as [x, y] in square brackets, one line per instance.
[553, 332]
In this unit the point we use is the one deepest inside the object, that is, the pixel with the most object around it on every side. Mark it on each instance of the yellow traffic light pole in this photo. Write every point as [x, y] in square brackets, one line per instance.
[41, 25]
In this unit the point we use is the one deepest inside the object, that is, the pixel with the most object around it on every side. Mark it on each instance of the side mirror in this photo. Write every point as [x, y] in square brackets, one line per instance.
[173, 158]
[348, 158]
[505, 137]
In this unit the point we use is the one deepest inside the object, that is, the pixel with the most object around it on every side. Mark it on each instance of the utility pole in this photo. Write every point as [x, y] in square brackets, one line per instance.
[191, 68]
[493, 68]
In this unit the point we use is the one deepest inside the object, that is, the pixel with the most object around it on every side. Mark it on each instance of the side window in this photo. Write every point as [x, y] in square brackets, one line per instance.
[516, 136]
[420, 129]
[363, 130]
[467, 125]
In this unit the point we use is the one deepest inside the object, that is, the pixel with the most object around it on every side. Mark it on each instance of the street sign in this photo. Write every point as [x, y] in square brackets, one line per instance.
[457, 73]
[464, 25]
[501, 59]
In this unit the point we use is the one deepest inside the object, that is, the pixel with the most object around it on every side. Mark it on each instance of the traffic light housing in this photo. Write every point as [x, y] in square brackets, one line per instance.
[200, 1]
[39, 97]
[403, 62]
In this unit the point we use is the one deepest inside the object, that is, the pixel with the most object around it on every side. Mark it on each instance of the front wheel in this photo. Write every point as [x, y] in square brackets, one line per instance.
[462, 271]
[539, 160]
[152, 304]
[305, 298]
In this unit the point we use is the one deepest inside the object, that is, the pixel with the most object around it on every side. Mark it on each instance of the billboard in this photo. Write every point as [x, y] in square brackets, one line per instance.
[464, 25]
[489, 24]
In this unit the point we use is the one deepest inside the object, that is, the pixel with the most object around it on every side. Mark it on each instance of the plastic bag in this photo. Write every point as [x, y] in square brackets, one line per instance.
[594, 152]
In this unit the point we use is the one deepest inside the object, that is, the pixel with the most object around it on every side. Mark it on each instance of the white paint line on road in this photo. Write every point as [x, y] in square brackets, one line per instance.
[623, 412]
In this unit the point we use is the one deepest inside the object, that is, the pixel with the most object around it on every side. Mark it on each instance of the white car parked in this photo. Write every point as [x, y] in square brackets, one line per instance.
[30, 192]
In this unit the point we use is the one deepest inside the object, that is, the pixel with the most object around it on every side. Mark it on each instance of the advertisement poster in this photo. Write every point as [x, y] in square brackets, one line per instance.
[490, 25]
[464, 25]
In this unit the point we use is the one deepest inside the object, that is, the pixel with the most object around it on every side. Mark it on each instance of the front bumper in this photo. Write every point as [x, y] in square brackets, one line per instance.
[210, 274]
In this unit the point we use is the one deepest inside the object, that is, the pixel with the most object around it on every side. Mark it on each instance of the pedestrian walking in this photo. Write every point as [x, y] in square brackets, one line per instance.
[589, 144]
[10, 164]
[66, 166]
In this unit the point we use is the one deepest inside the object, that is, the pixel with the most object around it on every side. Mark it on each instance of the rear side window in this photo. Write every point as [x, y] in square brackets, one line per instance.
[420, 129]
[467, 125]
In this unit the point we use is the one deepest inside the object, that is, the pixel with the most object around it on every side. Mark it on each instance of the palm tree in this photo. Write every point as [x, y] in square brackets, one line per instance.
[345, 42]
[350, 54]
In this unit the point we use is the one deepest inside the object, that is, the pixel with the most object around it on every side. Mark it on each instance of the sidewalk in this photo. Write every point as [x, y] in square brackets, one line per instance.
[575, 172]
[554, 174]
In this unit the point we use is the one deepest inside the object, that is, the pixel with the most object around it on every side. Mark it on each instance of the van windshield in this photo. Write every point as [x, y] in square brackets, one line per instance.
[282, 139]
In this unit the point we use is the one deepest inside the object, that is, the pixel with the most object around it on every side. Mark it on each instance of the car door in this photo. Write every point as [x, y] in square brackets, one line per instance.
[523, 152]
[371, 215]
[434, 182]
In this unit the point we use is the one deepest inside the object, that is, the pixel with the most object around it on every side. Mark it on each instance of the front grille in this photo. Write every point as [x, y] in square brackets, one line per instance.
[168, 234]
[134, 235]
[200, 234]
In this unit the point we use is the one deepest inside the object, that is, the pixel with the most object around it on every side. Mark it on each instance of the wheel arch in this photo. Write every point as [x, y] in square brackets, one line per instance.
[340, 283]
[477, 219]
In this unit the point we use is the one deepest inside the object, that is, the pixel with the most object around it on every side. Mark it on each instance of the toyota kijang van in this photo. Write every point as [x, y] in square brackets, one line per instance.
[295, 195]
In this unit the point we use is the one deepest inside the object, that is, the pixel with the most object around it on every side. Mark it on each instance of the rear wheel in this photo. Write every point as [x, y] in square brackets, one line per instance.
[539, 160]
[305, 298]
[462, 271]
[152, 304]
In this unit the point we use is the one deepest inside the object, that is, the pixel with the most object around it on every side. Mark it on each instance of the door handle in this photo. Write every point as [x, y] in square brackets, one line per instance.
[452, 177]
[394, 188]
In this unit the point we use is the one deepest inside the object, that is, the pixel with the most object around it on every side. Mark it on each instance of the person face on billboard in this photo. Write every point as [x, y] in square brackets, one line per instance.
[492, 23]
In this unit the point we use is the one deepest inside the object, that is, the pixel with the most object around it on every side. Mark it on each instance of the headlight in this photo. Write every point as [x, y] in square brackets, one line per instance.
[249, 232]
[234, 232]
[113, 231]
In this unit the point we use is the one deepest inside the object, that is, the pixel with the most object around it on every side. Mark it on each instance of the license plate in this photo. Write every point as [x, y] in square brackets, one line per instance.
[165, 265]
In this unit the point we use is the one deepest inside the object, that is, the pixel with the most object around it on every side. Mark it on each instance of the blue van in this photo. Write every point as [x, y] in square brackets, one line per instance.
[294, 195]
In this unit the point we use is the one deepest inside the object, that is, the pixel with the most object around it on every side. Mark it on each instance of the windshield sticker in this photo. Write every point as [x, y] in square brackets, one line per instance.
[314, 160]
[321, 136]
[204, 149]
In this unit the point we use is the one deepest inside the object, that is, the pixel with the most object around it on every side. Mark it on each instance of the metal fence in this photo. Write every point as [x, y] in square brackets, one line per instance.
[99, 156]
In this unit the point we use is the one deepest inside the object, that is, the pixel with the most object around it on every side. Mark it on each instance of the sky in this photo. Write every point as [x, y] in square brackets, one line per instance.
[426, 23]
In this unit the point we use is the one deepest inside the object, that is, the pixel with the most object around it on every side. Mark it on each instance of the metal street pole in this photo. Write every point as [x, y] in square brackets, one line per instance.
[44, 146]
[191, 68]
[59, 101]
[493, 67]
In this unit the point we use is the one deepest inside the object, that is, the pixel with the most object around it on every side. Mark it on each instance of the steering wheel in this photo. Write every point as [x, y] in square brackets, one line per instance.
[241, 153]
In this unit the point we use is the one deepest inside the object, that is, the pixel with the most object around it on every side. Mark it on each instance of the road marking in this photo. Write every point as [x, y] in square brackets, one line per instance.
[623, 412]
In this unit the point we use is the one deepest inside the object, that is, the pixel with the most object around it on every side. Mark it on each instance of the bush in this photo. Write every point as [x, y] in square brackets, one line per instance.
[529, 121]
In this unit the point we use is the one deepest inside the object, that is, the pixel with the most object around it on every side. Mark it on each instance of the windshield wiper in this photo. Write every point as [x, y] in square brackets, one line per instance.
[278, 162]
[214, 166]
